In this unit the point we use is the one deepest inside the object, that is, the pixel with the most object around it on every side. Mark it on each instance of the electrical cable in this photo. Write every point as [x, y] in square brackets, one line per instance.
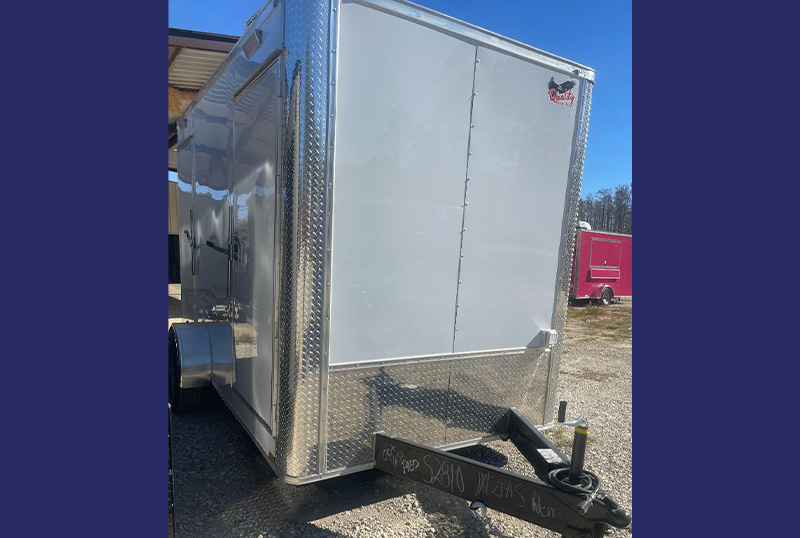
[588, 485]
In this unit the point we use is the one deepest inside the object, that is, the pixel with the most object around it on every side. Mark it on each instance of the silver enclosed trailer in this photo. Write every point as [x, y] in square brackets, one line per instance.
[377, 207]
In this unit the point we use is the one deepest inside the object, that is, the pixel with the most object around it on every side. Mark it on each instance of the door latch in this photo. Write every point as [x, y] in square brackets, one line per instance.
[218, 249]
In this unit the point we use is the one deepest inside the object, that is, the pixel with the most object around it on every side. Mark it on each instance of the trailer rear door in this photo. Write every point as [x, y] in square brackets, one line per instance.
[518, 168]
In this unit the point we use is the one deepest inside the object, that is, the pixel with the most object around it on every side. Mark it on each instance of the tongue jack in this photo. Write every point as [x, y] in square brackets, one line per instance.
[581, 425]
[578, 480]
[578, 448]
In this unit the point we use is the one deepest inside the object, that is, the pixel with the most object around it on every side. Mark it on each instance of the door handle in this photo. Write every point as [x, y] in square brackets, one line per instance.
[190, 235]
[218, 249]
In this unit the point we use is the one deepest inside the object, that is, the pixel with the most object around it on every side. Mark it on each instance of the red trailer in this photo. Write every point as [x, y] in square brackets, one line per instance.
[601, 266]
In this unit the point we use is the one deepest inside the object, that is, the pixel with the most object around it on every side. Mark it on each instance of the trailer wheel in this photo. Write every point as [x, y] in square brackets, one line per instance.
[182, 400]
[605, 297]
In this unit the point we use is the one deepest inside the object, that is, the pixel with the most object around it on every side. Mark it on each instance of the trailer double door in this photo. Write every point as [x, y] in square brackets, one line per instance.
[228, 178]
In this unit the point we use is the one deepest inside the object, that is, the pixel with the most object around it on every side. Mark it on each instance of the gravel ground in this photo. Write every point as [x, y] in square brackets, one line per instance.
[224, 488]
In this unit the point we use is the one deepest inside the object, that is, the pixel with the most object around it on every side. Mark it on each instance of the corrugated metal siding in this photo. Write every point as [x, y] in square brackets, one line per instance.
[193, 58]
[192, 68]
[173, 207]
[189, 70]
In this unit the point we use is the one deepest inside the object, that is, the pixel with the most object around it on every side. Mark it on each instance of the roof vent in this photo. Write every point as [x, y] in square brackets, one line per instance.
[252, 44]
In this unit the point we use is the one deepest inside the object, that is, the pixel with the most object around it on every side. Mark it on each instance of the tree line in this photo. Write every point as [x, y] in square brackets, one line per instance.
[609, 210]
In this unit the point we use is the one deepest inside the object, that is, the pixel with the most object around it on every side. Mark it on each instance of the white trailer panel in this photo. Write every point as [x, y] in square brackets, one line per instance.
[402, 135]
[520, 156]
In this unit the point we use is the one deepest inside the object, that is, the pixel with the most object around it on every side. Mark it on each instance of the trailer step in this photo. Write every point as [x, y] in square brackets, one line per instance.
[541, 502]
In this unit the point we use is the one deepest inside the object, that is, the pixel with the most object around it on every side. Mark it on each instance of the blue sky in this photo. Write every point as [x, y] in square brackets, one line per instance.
[597, 34]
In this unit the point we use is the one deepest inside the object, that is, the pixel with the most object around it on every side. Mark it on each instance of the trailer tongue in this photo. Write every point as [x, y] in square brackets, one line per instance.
[568, 499]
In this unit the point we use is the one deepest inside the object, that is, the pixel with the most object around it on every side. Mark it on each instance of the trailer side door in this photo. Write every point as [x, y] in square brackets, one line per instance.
[256, 131]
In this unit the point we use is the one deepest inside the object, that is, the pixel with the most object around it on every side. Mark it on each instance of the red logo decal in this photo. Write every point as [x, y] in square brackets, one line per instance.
[561, 93]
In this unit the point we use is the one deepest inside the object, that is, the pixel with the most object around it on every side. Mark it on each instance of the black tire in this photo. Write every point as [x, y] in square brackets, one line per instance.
[182, 400]
[606, 296]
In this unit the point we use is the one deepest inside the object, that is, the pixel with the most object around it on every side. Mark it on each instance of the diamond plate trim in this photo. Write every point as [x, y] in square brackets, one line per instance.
[437, 403]
[303, 202]
[568, 243]
[407, 401]
[482, 389]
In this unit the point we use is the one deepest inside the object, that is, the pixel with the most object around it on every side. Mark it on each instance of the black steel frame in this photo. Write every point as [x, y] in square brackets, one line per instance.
[537, 501]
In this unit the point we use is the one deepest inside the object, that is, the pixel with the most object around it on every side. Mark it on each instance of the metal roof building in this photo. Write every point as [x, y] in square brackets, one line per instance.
[193, 59]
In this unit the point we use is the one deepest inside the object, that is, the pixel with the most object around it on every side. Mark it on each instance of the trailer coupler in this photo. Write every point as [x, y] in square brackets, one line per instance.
[567, 499]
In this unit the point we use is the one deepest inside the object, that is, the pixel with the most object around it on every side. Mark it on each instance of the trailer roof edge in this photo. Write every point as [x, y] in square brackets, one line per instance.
[422, 15]
[428, 17]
